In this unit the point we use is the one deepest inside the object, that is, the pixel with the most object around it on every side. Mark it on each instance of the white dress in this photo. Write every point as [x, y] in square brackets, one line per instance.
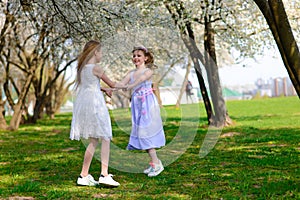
[90, 114]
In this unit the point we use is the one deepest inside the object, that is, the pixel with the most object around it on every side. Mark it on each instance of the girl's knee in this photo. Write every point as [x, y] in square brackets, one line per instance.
[94, 141]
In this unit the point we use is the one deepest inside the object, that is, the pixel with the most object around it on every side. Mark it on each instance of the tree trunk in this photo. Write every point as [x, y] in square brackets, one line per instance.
[196, 56]
[278, 22]
[38, 109]
[3, 124]
[185, 81]
[211, 67]
[17, 116]
[188, 38]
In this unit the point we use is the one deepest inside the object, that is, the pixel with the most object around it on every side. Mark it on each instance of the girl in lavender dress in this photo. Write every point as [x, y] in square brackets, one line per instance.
[147, 130]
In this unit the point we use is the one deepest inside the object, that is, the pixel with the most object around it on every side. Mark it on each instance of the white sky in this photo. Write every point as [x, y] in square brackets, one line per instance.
[249, 71]
[265, 68]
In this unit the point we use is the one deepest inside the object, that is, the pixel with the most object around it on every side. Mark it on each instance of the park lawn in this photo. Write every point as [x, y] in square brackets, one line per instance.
[257, 158]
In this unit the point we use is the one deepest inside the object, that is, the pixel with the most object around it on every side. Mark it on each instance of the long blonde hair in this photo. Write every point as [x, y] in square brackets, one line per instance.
[88, 51]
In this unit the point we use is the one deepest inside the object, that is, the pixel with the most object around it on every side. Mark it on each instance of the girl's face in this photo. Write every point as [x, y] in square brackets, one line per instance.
[138, 58]
[98, 55]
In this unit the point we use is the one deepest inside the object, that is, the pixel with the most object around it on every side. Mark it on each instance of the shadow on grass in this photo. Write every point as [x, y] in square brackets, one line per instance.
[258, 163]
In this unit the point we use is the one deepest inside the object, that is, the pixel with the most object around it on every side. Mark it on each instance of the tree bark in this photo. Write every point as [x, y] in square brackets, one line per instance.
[17, 116]
[185, 81]
[3, 124]
[211, 67]
[196, 56]
[188, 38]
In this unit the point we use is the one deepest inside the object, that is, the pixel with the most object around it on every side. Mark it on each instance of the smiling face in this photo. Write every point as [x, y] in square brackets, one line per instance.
[138, 58]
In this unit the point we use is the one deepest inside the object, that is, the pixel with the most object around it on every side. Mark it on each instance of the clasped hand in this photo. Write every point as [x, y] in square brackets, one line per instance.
[121, 86]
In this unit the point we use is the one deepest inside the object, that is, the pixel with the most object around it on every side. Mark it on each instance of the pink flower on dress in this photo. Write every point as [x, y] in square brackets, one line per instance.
[141, 94]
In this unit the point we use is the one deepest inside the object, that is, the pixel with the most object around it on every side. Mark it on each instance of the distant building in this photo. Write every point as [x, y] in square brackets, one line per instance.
[264, 87]
[275, 87]
[283, 87]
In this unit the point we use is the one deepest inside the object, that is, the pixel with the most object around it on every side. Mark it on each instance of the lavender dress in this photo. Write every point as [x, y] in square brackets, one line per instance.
[147, 129]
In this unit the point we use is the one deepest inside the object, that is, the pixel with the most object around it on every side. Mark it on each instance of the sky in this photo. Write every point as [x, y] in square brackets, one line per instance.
[249, 71]
[264, 67]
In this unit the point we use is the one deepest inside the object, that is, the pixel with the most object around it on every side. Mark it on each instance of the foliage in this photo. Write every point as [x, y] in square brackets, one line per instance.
[258, 158]
[34, 58]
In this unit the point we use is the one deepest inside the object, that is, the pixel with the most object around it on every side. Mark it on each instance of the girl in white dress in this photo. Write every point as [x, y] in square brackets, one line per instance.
[91, 118]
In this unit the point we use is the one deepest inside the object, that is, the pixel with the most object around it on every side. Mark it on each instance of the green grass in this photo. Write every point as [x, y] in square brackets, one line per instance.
[257, 158]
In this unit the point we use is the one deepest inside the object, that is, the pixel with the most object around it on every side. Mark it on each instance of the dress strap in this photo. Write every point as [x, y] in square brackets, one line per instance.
[131, 75]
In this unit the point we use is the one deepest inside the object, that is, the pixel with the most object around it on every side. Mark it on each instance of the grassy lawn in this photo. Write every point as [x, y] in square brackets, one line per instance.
[257, 158]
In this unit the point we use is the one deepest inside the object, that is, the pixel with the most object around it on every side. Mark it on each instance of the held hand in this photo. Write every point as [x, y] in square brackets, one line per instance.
[108, 91]
[120, 86]
[126, 88]
[129, 86]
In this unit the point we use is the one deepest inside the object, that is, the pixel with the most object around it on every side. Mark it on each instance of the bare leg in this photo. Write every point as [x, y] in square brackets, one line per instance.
[105, 149]
[88, 156]
[153, 156]
[105, 178]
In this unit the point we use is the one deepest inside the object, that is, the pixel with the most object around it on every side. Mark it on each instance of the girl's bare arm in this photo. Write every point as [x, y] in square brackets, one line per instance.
[123, 83]
[145, 76]
[99, 72]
